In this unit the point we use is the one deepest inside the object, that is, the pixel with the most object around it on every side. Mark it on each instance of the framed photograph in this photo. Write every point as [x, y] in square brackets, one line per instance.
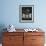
[26, 13]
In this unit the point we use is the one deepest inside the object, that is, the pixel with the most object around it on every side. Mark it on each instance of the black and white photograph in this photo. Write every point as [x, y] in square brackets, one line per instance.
[26, 13]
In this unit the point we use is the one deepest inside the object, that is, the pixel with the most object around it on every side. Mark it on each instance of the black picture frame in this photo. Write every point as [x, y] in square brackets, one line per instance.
[26, 13]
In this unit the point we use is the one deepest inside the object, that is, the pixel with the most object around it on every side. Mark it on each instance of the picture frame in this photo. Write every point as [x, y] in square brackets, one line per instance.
[26, 13]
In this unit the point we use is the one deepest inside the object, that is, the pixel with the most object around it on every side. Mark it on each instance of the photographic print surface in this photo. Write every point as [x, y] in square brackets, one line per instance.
[26, 13]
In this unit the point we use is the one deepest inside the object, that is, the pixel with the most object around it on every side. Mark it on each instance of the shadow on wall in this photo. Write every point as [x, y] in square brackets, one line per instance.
[2, 26]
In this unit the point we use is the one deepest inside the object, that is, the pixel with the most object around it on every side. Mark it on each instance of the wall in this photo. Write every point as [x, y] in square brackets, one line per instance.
[9, 13]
